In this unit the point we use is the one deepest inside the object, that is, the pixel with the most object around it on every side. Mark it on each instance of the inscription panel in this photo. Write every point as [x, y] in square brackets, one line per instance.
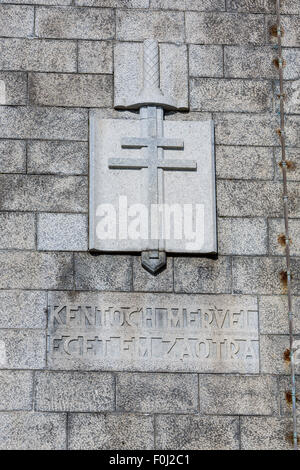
[153, 332]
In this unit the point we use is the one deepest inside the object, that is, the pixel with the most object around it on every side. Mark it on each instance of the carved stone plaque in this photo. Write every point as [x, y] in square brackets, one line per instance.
[151, 332]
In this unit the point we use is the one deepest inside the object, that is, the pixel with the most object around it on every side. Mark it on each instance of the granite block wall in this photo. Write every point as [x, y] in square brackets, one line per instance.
[56, 64]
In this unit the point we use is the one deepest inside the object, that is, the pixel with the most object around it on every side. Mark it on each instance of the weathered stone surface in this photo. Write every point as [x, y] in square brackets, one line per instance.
[102, 272]
[268, 433]
[22, 349]
[257, 62]
[140, 25]
[63, 232]
[252, 6]
[292, 100]
[272, 348]
[23, 309]
[202, 275]
[224, 28]
[292, 155]
[273, 314]
[14, 88]
[146, 282]
[111, 431]
[17, 230]
[95, 57]
[74, 391]
[12, 156]
[43, 193]
[242, 162]
[249, 198]
[198, 5]
[292, 131]
[276, 228]
[151, 332]
[113, 3]
[205, 61]
[43, 123]
[157, 393]
[74, 23]
[238, 395]
[53, 89]
[209, 94]
[16, 390]
[41, 2]
[285, 387]
[262, 275]
[38, 55]
[239, 236]
[16, 21]
[23, 270]
[291, 26]
[32, 431]
[128, 77]
[62, 158]
[196, 432]
[246, 129]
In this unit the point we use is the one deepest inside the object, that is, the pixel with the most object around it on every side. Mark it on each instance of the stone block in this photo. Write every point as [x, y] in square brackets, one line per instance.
[104, 272]
[43, 193]
[224, 28]
[292, 130]
[75, 23]
[273, 314]
[38, 55]
[57, 157]
[267, 433]
[291, 26]
[237, 395]
[16, 390]
[95, 57]
[285, 398]
[202, 275]
[157, 393]
[12, 156]
[292, 100]
[50, 89]
[23, 309]
[146, 282]
[23, 270]
[14, 88]
[17, 231]
[32, 431]
[139, 25]
[113, 3]
[16, 21]
[43, 123]
[252, 6]
[74, 391]
[196, 432]
[111, 432]
[41, 2]
[62, 232]
[244, 162]
[239, 236]
[209, 94]
[205, 61]
[277, 228]
[272, 358]
[292, 155]
[22, 349]
[197, 5]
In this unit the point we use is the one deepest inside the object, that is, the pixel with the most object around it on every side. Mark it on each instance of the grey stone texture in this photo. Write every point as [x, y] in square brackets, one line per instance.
[236, 395]
[139, 25]
[111, 432]
[144, 281]
[41, 2]
[272, 348]
[23, 309]
[273, 318]
[157, 393]
[113, 3]
[22, 349]
[205, 61]
[277, 228]
[265, 433]
[293, 156]
[244, 162]
[62, 232]
[12, 156]
[32, 431]
[43, 193]
[196, 432]
[197, 5]
[74, 391]
[57, 157]
[37, 55]
[78, 90]
[74, 23]
[240, 236]
[16, 21]
[15, 88]
[285, 386]
[17, 230]
[16, 390]
[95, 57]
[291, 25]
